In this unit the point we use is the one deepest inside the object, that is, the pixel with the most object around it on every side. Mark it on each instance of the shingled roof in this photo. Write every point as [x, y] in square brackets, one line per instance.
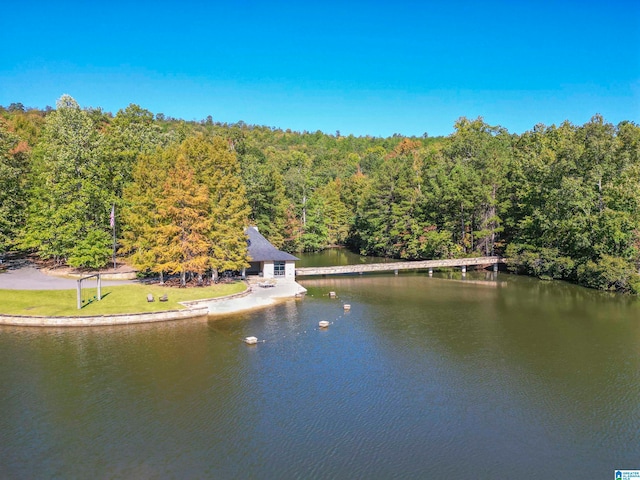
[261, 250]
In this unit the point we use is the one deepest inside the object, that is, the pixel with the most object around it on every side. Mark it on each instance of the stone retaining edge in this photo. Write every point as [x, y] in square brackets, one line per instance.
[194, 309]
[196, 303]
[103, 320]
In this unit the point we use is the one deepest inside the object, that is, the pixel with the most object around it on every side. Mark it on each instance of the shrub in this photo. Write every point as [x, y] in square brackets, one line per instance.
[543, 262]
[93, 251]
[609, 273]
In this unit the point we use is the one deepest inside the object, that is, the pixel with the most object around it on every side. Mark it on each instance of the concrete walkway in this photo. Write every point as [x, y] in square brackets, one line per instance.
[258, 298]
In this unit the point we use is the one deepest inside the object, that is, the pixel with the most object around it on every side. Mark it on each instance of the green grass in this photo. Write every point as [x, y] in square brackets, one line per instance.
[118, 299]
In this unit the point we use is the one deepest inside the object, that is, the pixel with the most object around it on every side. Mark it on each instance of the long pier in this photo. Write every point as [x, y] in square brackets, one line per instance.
[397, 266]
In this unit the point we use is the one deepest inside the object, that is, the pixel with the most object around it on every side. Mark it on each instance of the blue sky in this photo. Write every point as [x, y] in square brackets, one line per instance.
[364, 68]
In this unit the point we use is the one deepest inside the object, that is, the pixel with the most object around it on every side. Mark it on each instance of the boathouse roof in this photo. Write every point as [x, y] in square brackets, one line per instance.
[261, 250]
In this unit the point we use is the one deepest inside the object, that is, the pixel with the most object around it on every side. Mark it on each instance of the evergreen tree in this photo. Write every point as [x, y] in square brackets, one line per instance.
[266, 196]
[562, 202]
[479, 156]
[330, 210]
[391, 220]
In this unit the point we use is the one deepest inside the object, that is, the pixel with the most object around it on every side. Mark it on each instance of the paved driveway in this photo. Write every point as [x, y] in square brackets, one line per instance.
[22, 274]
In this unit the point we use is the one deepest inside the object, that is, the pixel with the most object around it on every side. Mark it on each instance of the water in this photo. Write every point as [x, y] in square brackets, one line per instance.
[423, 378]
[336, 256]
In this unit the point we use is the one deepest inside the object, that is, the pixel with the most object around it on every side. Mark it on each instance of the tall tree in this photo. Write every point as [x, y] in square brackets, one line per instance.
[132, 132]
[336, 216]
[218, 169]
[266, 196]
[14, 155]
[184, 223]
[392, 221]
[480, 153]
[69, 198]
[141, 219]
[192, 224]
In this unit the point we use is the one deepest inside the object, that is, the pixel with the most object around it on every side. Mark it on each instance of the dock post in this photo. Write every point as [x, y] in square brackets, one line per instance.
[495, 267]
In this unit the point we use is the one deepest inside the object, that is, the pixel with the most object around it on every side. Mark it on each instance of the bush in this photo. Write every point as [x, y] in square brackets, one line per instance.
[92, 252]
[544, 263]
[436, 244]
[609, 273]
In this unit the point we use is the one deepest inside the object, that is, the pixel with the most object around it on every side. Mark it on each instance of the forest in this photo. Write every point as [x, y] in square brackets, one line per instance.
[558, 202]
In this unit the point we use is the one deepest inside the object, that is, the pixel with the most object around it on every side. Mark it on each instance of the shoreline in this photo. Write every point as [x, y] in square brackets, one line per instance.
[102, 320]
[257, 298]
[252, 298]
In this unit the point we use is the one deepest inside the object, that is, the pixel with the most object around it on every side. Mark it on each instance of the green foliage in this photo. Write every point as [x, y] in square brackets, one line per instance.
[186, 210]
[560, 201]
[391, 222]
[575, 195]
[432, 244]
[14, 156]
[542, 263]
[91, 251]
[140, 209]
[131, 133]
[609, 273]
[69, 194]
[218, 169]
[327, 219]
[476, 158]
[316, 230]
[266, 196]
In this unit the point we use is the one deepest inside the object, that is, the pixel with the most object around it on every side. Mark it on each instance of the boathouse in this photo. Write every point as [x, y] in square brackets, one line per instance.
[266, 260]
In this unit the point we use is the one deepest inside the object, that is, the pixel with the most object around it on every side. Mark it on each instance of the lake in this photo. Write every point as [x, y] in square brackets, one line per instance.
[486, 376]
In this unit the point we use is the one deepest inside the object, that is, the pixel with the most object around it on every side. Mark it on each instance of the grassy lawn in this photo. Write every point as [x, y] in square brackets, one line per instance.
[118, 299]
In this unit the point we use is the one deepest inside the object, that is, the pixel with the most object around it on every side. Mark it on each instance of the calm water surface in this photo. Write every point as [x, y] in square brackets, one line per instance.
[437, 377]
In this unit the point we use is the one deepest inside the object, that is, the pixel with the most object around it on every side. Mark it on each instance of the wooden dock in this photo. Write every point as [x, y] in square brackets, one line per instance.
[397, 266]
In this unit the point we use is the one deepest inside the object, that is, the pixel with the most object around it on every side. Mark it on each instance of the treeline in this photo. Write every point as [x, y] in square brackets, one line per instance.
[559, 202]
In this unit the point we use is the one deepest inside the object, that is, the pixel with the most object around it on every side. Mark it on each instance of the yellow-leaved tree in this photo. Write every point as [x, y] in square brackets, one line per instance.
[218, 169]
[187, 211]
[182, 234]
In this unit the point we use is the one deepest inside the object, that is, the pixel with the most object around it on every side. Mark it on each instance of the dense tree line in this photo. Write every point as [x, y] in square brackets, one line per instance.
[558, 201]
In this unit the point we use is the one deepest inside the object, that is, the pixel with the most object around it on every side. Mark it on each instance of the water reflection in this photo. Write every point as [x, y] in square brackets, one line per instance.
[485, 376]
[335, 257]
[548, 357]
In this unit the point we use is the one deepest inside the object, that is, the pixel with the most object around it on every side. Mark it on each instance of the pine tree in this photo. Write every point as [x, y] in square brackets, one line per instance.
[266, 196]
[390, 218]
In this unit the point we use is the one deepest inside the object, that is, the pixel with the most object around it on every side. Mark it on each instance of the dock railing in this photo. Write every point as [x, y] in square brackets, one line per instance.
[397, 266]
